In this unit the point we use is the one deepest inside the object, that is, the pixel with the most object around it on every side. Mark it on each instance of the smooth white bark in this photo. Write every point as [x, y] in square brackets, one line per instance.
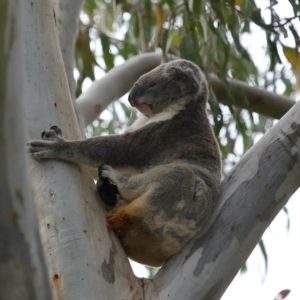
[67, 15]
[84, 258]
[23, 273]
[251, 196]
[119, 80]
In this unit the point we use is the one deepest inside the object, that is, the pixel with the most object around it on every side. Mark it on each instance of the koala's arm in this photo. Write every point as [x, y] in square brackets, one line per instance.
[93, 152]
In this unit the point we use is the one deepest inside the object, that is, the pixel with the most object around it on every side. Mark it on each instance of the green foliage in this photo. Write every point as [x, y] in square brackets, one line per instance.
[152, 272]
[107, 55]
[217, 35]
[262, 247]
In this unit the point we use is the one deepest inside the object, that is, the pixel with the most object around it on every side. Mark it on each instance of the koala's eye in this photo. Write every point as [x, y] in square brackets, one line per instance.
[152, 84]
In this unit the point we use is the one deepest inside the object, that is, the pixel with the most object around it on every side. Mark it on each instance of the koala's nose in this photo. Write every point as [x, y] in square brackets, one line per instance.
[134, 93]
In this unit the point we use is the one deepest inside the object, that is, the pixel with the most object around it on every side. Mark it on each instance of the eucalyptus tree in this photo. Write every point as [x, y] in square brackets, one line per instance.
[84, 259]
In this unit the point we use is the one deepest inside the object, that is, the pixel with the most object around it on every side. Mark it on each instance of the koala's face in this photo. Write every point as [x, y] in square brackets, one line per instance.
[166, 85]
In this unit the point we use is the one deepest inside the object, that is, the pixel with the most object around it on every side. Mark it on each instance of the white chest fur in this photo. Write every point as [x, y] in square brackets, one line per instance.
[167, 114]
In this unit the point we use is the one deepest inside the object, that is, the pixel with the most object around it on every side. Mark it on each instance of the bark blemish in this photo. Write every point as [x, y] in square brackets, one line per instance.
[295, 126]
[108, 230]
[48, 226]
[51, 194]
[97, 109]
[54, 15]
[294, 136]
[213, 290]
[19, 196]
[56, 284]
[15, 217]
[55, 104]
[256, 100]
[108, 268]
[112, 237]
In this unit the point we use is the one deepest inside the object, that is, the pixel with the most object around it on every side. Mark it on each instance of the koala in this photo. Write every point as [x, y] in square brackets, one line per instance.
[163, 173]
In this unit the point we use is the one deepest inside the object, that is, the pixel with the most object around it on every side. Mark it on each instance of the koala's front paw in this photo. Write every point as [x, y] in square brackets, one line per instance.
[46, 148]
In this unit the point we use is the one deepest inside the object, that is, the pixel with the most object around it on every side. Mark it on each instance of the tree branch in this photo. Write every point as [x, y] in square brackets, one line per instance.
[67, 15]
[251, 196]
[252, 98]
[119, 80]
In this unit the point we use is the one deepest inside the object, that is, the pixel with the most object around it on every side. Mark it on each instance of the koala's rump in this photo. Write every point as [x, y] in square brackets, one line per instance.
[157, 224]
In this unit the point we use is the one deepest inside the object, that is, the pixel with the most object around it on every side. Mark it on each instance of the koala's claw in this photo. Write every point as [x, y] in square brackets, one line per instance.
[56, 129]
[105, 171]
[104, 168]
[52, 133]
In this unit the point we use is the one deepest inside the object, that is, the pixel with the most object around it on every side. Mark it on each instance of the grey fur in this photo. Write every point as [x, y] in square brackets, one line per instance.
[177, 163]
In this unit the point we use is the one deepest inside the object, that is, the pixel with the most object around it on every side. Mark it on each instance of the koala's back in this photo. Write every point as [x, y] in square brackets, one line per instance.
[178, 182]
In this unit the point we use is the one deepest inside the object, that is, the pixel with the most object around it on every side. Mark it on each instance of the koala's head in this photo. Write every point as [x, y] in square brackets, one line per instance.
[178, 81]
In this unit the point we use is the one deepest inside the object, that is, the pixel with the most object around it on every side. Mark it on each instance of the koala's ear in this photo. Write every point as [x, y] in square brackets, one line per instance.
[189, 77]
[184, 69]
[185, 77]
[178, 73]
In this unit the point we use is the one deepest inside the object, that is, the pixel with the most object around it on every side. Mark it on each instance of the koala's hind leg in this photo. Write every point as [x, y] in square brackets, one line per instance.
[159, 213]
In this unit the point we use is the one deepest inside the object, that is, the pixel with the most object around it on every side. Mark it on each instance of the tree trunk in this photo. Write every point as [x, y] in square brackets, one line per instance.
[67, 15]
[84, 258]
[23, 273]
